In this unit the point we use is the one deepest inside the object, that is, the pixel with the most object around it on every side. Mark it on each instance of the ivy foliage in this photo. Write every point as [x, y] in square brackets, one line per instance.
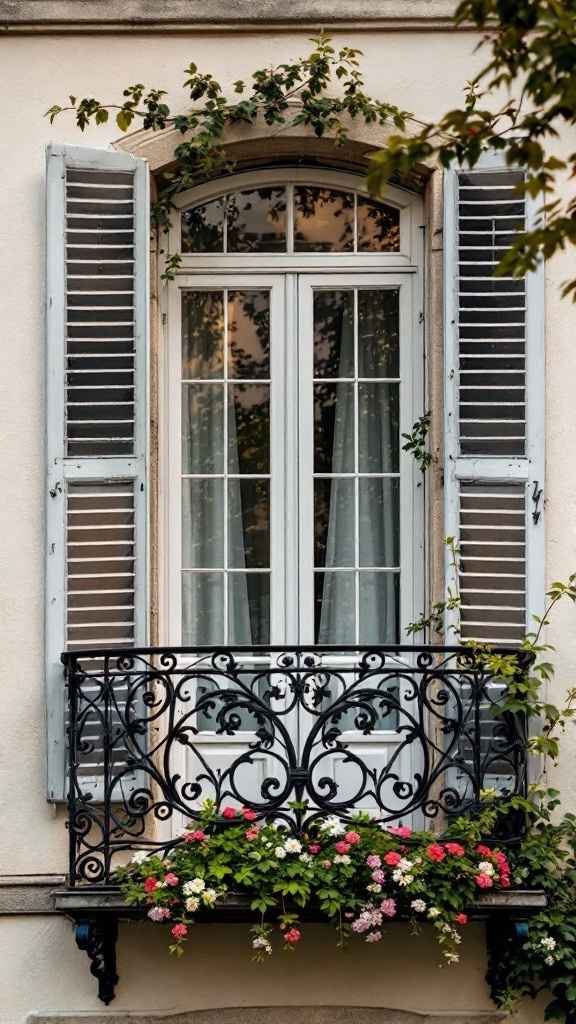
[322, 92]
[533, 61]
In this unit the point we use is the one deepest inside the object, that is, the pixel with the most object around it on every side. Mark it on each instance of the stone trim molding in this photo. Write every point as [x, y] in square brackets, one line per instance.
[29, 894]
[275, 1015]
[30, 16]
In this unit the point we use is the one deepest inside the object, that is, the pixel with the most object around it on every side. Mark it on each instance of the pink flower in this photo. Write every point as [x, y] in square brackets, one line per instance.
[249, 814]
[505, 881]
[150, 884]
[171, 879]
[500, 858]
[378, 876]
[484, 881]
[314, 848]
[252, 833]
[341, 846]
[388, 907]
[179, 931]
[158, 913]
[352, 837]
[374, 937]
[326, 863]
[461, 918]
[373, 860]
[436, 852]
[404, 832]
[229, 812]
[392, 858]
[455, 848]
[484, 850]
[292, 936]
[197, 836]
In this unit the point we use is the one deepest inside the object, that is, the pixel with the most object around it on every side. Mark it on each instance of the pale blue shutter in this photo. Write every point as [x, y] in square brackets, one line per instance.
[494, 406]
[97, 216]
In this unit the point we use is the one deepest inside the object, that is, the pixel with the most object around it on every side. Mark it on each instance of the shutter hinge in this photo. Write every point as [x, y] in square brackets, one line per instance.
[57, 489]
[536, 495]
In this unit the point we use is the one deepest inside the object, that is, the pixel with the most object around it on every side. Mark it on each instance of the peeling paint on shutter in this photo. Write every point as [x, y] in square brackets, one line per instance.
[97, 558]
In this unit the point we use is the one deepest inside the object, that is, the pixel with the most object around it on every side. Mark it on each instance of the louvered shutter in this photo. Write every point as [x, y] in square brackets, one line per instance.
[97, 426]
[494, 406]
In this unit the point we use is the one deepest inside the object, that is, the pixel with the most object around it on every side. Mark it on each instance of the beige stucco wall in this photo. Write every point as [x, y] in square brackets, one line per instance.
[41, 968]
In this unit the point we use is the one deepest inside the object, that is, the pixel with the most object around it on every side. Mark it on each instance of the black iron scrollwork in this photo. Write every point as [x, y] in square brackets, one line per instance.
[401, 733]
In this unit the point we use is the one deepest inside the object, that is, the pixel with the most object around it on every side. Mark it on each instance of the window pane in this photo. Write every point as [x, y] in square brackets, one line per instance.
[323, 220]
[334, 602]
[249, 334]
[378, 227]
[378, 332]
[249, 428]
[249, 608]
[334, 334]
[379, 529]
[257, 221]
[202, 608]
[334, 428]
[203, 227]
[378, 615]
[334, 522]
[248, 524]
[203, 428]
[378, 428]
[202, 524]
[202, 335]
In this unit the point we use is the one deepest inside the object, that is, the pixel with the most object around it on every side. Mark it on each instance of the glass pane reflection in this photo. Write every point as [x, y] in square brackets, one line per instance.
[203, 227]
[379, 332]
[256, 221]
[323, 220]
[334, 333]
[202, 335]
[249, 335]
[249, 428]
[378, 227]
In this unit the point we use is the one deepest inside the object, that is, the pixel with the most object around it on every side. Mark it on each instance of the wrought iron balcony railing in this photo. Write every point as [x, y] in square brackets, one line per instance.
[408, 734]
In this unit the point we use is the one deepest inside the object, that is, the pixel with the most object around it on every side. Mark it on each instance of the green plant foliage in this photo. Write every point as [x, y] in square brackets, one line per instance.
[533, 61]
[416, 442]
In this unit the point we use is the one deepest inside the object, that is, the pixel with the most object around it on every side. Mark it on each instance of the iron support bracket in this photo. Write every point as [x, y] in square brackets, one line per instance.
[504, 935]
[97, 936]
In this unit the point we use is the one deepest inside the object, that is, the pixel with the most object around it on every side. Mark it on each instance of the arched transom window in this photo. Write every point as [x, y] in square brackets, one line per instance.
[293, 367]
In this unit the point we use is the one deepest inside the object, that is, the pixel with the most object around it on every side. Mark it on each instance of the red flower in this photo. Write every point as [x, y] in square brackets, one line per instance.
[314, 848]
[392, 858]
[435, 852]
[455, 848]
[150, 884]
[252, 833]
[403, 831]
[198, 836]
[229, 812]
[179, 931]
[484, 850]
[341, 846]
[461, 918]
[352, 837]
[171, 879]
[292, 936]
[505, 881]
[249, 814]
[484, 881]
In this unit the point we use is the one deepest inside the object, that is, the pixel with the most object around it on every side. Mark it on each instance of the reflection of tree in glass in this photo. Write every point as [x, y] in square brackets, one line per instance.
[378, 332]
[203, 227]
[323, 220]
[249, 335]
[202, 335]
[249, 444]
[257, 220]
[378, 227]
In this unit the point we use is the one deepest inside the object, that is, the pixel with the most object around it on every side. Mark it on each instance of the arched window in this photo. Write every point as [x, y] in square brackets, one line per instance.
[294, 365]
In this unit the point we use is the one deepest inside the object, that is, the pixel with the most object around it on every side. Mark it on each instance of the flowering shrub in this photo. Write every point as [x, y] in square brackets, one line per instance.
[359, 876]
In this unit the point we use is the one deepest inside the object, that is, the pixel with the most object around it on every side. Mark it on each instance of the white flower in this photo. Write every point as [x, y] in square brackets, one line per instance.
[280, 853]
[419, 906]
[333, 826]
[401, 877]
[549, 960]
[418, 860]
[446, 928]
[548, 943]
[162, 885]
[192, 904]
[261, 943]
[292, 846]
[342, 858]
[140, 857]
[433, 912]
[305, 858]
[406, 880]
[486, 868]
[457, 937]
[451, 957]
[209, 897]
[195, 886]
[405, 865]
[375, 887]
